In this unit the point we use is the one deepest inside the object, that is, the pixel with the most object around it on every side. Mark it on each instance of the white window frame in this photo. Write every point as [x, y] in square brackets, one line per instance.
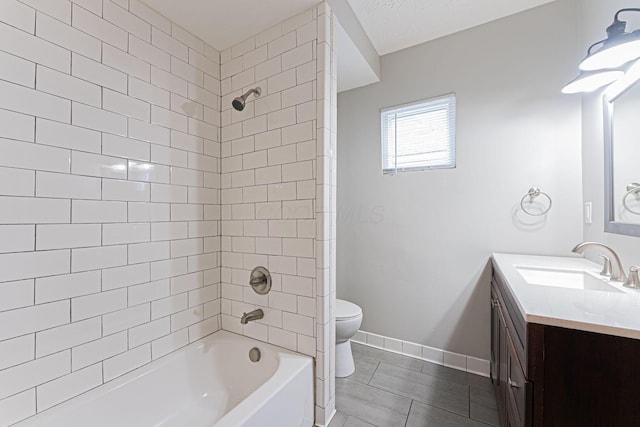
[447, 102]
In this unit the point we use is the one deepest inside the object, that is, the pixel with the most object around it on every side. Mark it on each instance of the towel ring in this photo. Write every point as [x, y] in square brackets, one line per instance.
[531, 195]
[633, 188]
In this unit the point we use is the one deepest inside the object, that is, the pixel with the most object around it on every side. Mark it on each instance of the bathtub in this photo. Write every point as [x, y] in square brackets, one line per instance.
[210, 382]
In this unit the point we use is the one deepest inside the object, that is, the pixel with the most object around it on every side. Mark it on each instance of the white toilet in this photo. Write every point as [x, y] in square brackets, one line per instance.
[348, 321]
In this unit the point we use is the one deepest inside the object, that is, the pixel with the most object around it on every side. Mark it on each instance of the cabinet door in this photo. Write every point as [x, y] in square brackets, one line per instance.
[516, 384]
[495, 337]
[502, 361]
[499, 355]
[512, 418]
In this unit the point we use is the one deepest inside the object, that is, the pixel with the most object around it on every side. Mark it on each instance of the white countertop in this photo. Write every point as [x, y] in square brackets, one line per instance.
[613, 313]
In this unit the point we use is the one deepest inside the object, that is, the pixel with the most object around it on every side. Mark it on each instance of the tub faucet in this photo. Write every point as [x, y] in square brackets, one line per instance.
[617, 270]
[251, 316]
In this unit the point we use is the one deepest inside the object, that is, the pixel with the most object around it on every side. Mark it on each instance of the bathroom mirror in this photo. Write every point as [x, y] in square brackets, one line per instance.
[622, 155]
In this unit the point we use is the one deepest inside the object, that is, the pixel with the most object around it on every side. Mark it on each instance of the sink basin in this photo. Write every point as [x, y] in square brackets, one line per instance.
[570, 279]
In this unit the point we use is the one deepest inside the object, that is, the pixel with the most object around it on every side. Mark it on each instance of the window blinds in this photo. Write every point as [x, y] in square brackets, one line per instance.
[419, 136]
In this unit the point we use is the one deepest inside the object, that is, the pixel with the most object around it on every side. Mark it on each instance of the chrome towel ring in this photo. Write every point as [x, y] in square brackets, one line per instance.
[531, 196]
[633, 188]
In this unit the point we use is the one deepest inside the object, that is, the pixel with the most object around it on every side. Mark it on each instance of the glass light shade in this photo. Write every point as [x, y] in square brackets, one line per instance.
[612, 56]
[592, 80]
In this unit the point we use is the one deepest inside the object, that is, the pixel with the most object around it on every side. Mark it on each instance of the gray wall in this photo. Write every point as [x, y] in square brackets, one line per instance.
[413, 248]
[596, 16]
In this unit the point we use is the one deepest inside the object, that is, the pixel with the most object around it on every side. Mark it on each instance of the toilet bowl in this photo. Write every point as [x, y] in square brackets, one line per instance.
[348, 321]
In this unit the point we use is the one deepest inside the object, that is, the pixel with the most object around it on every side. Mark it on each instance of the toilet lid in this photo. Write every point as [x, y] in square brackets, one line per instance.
[347, 310]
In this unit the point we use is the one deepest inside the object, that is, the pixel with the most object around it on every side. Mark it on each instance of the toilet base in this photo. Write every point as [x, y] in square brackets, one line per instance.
[344, 360]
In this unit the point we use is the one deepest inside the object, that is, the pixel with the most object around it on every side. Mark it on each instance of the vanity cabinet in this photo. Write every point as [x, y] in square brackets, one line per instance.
[552, 376]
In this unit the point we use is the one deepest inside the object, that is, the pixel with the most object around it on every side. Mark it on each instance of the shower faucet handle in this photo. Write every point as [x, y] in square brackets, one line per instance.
[606, 266]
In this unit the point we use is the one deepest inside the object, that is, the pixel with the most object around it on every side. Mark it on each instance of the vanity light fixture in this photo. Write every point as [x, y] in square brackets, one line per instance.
[617, 49]
[588, 81]
[605, 65]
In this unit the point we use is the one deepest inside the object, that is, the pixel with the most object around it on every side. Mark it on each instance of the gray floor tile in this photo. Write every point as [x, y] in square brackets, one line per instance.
[422, 415]
[369, 404]
[480, 381]
[488, 416]
[482, 396]
[443, 372]
[364, 370]
[355, 422]
[430, 394]
[435, 391]
[338, 419]
[455, 375]
[483, 405]
[370, 354]
[343, 420]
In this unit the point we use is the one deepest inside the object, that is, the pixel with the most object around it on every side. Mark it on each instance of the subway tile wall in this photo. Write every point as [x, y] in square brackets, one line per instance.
[327, 217]
[110, 195]
[278, 189]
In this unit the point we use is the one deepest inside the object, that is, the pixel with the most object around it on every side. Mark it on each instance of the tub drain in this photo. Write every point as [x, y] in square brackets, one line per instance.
[254, 354]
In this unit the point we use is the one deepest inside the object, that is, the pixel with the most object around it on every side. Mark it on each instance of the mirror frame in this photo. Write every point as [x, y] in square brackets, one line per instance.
[612, 93]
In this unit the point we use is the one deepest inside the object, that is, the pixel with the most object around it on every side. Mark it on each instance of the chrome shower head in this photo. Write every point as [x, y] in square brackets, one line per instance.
[240, 101]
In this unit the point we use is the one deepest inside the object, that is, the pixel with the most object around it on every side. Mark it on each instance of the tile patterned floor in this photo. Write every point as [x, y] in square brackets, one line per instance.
[389, 390]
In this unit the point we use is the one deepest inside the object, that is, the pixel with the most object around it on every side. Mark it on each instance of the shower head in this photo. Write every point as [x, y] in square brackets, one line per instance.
[239, 102]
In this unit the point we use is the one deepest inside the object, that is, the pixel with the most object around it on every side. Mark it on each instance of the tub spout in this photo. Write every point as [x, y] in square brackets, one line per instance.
[251, 316]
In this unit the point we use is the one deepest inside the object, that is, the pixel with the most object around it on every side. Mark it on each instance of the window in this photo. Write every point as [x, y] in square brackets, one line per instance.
[419, 136]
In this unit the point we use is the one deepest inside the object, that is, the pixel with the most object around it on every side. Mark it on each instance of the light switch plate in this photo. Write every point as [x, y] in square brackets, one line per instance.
[588, 208]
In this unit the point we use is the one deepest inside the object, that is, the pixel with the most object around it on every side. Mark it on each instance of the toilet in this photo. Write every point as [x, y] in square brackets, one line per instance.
[348, 321]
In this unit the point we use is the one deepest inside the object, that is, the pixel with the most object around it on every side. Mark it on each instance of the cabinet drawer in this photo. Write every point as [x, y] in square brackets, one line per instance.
[516, 382]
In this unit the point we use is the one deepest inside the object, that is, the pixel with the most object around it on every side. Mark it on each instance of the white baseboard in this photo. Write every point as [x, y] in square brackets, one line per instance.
[329, 419]
[434, 355]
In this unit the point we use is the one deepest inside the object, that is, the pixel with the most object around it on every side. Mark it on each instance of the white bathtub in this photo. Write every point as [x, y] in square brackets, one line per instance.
[211, 382]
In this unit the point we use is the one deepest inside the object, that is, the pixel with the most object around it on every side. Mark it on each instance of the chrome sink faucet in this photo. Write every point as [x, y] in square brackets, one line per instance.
[251, 316]
[617, 270]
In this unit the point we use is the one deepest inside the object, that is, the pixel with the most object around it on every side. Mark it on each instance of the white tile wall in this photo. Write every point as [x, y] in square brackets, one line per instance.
[34, 49]
[30, 374]
[63, 287]
[136, 167]
[16, 351]
[270, 170]
[68, 386]
[109, 204]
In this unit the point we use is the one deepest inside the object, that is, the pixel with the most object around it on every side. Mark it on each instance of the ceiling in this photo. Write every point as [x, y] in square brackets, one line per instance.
[397, 24]
[224, 23]
[390, 25]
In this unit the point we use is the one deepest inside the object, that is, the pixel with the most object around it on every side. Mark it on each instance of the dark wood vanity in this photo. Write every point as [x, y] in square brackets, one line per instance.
[553, 376]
